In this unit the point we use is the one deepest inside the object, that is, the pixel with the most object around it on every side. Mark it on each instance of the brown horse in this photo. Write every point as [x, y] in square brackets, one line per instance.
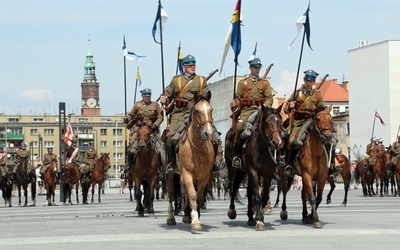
[398, 177]
[194, 159]
[312, 165]
[390, 172]
[380, 172]
[259, 162]
[6, 188]
[346, 176]
[100, 169]
[70, 177]
[146, 169]
[22, 179]
[50, 182]
[367, 180]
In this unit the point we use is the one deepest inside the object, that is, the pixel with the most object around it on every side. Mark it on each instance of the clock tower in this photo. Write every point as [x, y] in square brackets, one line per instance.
[90, 88]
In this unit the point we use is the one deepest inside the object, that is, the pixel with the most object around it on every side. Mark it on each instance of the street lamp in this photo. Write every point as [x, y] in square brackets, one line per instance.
[116, 149]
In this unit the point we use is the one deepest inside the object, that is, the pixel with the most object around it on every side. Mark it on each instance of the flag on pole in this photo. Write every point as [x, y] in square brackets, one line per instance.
[161, 14]
[69, 134]
[130, 55]
[303, 20]
[380, 118]
[233, 37]
[138, 78]
[180, 57]
[254, 55]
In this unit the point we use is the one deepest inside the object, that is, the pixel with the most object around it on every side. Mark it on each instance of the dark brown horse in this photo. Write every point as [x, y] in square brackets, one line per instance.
[194, 159]
[346, 176]
[398, 177]
[50, 182]
[6, 188]
[312, 166]
[367, 180]
[380, 172]
[390, 169]
[70, 177]
[22, 179]
[259, 161]
[100, 169]
[146, 169]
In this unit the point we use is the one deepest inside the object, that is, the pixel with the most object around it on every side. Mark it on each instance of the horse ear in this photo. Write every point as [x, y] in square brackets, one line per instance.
[329, 108]
[208, 95]
[279, 108]
[196, 96]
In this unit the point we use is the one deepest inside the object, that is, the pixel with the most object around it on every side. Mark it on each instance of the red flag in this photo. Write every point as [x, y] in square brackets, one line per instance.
[69, 134]
[380, 118]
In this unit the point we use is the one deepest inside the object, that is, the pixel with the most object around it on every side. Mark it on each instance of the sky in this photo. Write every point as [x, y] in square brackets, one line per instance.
[43, 45]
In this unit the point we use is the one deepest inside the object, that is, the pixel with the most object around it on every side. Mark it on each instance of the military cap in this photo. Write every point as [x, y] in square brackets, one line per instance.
[146, 92]
[256, 61]
[49, 149]
[23, 144]
[310, 75]
[189, 60]
[1, 147]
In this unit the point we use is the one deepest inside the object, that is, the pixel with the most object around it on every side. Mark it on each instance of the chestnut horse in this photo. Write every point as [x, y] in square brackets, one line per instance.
[146, 169]
[346, 176]
[312, 165]
[398, 177]
[380, 173]
[100, 169]
[70, 176]
[367, 180]
[50, 182]
[194, 161]
[22, 179]
[258, 163]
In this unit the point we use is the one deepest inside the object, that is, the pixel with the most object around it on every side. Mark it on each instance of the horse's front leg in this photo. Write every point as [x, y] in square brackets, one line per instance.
[171, 194]
[333, 186]
[26, 196]
[99, 190]
[192, 199]
[93, 185]
[151, 198]
[138, 198]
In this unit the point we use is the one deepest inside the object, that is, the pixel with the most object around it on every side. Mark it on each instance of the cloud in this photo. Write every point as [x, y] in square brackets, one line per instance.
[286, 83]
[37, 95]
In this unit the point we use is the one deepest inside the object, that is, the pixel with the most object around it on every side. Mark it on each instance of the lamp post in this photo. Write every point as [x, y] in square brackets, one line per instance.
[116, 149]
[39, 145]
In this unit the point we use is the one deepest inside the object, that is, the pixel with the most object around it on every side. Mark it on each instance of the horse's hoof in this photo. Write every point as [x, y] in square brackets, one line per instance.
[276, 205]
[152, 215]
[171, 222]
[308, 220]
[176, 212]
[196, 227]
[186, 219]
[328, 201]
[140, 214]
[343, 204]
[284, 215]
[251, 223]
[232, 214]
[260, 226]
[317, 224]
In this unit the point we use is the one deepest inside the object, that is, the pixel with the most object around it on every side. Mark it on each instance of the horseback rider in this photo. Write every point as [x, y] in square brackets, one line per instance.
[90, 159]
[308, 101]
[148, 112]
[370, 151]
[3, 164]
[47, 159]
[251, 92]
[23, 154]
[180, 93]
[72, 153]
[395, 151]
[338, 165]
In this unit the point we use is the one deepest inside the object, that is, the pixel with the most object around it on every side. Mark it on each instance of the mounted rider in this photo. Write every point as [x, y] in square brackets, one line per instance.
[251, 92]
[90, 160]
[302, 107]
[143, 112]
[72, 153]
[21, 155]
[395, 151]
[3, 164]
[47, 159]
[180, 94]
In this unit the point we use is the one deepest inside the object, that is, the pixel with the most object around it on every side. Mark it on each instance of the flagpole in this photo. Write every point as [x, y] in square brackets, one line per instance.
[177, 58]
[373, 126]
[162, 47]
[136, 84]
[299, 65]
[125, 80]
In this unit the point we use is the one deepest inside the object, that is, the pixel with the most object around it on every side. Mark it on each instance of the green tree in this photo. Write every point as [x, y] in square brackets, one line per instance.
[356, 151]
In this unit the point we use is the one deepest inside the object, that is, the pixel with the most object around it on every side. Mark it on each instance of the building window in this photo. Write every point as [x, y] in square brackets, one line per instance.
[103, 131]
[37, 119]
[83, 119]
[103, 144]
[13, 119]
[85, 131]
[49, 144]
[119, 155]
[34, 131]
[48, 131]
[119, 131]
[346, 109]
[106, 120]
[34, 144]
[348, 128]
[336, 109]
[118, 144]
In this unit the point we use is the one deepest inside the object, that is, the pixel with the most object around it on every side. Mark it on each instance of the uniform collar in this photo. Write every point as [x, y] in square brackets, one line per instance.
[254, 77]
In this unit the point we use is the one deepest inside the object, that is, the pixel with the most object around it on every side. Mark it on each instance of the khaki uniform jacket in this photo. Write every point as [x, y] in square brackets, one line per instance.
[3, 159]
[147, 110]
[179, 114]
[69, 151]
[259, 91]
[48, 158]
[90, 156]
[22, 154]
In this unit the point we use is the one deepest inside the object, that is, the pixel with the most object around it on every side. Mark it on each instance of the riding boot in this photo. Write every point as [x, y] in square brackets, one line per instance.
[237, 161]
[13, 178]
[215, 167]
[82, 177]
[170, 155]
[288, 171]
[32, 177]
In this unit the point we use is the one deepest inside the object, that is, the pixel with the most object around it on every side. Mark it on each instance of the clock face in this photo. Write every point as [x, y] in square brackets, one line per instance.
[83, 103]
[91, 102]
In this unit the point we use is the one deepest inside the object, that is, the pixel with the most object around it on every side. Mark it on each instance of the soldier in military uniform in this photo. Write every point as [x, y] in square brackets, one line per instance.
[181, 91]
[23, 154]
[371, 150]
[148, 112]
[251, 92]
[72, 153]
[3, 164]
[47, 159]
[395, 151]
[308, 101]
[90, 158]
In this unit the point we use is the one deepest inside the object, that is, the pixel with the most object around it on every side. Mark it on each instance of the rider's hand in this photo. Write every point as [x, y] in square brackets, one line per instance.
[292, 104]
[163, 99]
[233, 104]
[153, 127]
[126, 120]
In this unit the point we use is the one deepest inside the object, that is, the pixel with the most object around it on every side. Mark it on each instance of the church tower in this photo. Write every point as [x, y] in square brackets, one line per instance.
[90, 88]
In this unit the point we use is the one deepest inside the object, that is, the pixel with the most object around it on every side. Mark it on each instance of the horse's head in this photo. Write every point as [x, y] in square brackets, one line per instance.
[202, 115]
[324, 125]
[105, 159]
[271, 126]
[144, 138]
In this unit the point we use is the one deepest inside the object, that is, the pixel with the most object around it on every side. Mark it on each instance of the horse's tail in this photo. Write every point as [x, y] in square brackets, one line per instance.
[235, 181]
[357, 174]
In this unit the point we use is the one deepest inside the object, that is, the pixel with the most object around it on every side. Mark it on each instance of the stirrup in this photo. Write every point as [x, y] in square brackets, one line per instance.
[288, 171]
[9, 182]
[170, 169]
[236, 162]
